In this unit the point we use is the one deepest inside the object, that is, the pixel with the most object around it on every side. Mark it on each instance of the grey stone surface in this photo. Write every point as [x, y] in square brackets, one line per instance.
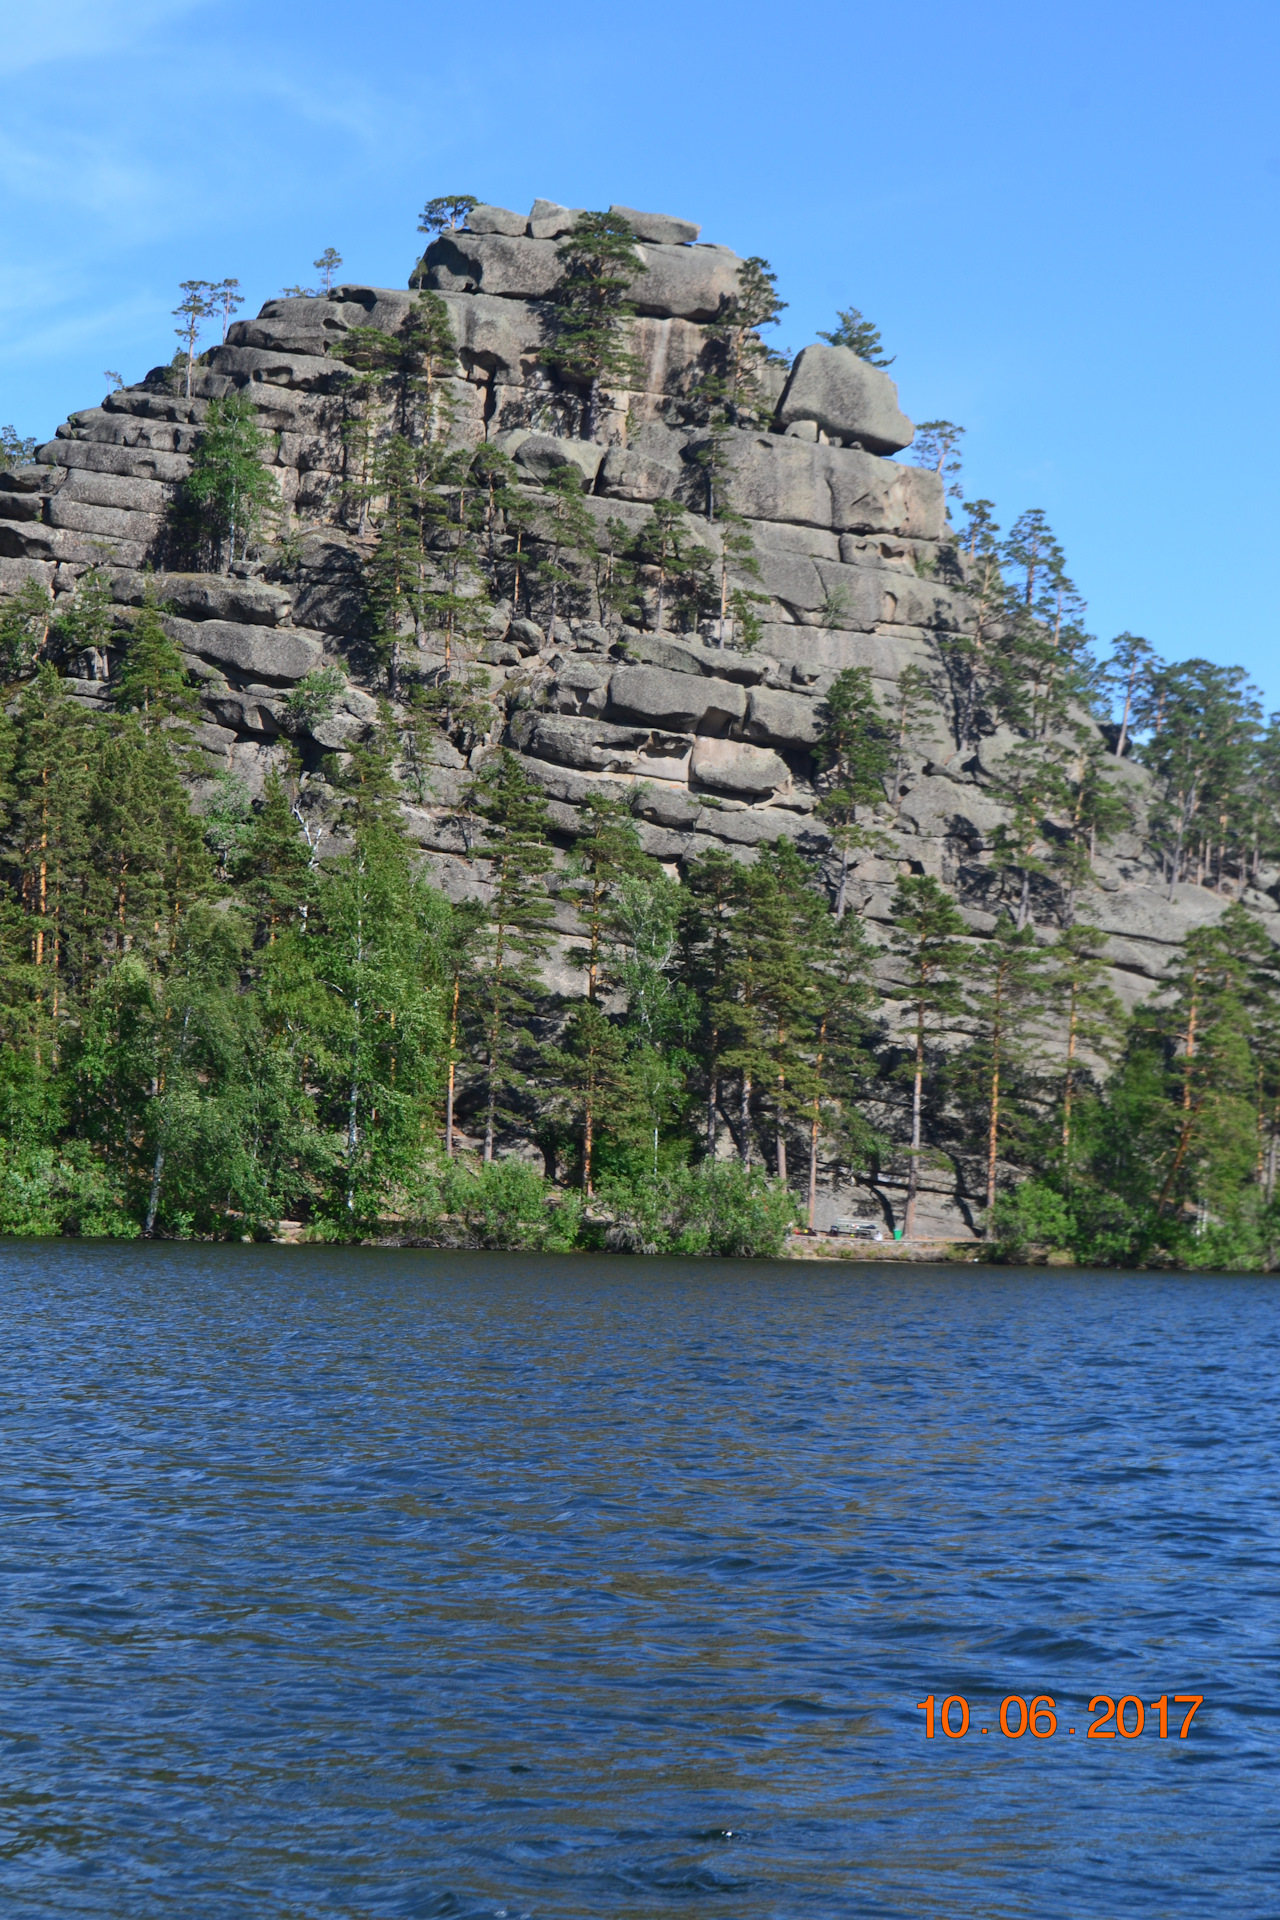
[847, 398]
[756, 826]
[14, 574]
[679, 702]
[330, 592]
[274, 653]
[140, 462]
[548, 220]
[632, 475]
[487, 219]
[663, 228]
[21, 506]
[539, 454]
[500, 337]
[840, 488]
[25, 479]
[509, 266]
[110, 523]
[206, 596]
[689, 654]
[586, 743]
[686, 283]
[732, 766]
[782, 719]
[129, 494]
[306, 372]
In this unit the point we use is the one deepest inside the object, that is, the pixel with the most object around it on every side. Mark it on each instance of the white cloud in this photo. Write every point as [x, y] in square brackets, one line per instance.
[35, 36]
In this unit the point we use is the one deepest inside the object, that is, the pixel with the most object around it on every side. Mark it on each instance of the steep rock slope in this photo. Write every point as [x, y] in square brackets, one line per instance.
[854, 555]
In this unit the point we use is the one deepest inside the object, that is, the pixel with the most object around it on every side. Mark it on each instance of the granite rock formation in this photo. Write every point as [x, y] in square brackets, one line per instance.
[856, 559]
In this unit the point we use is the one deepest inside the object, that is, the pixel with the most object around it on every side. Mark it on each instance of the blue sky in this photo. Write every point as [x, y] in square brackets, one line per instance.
[1063, 218]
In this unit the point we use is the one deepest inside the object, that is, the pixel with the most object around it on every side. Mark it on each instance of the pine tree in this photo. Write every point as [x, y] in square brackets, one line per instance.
[567, 533]
[445, 213]
[664, 547]
[1091, 1015]
[274, 866]
[706, 945]
[85, 620]
[860, 336]
[228, 490]
[1031, 783]
[914, 709]
[591, 1064]
[458, 944]
[854, 753]
[151, 681]
[927, 930]
[327, 265]
[778, 992]
[1132, 661]
[1008, 991]
[396, 572]
[605, 849]
[224, 298]
[742, 355]
[590, 308]
[373, 948]
[25, 619]
[1211, 1122]
[406, 369]
[937, 447]
[509, 983]
[196, 305]
[48, 840]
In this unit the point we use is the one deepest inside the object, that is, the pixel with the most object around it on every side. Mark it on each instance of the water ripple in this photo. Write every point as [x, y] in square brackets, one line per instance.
[480, 1588]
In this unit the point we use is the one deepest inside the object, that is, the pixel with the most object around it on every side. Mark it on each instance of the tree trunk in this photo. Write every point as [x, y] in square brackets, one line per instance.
[1069, 1086]
[153, 1203]
[744, 1120]
[843, 889]
[917, 1102]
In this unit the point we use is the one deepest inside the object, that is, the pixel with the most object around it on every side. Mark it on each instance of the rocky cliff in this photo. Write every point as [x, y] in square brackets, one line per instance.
[855, 557]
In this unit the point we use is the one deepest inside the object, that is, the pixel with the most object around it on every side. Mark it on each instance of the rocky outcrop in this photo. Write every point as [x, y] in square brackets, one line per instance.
[713, 743]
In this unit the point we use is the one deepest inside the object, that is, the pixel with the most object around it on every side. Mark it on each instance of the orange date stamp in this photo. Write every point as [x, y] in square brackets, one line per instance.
[1127, 1716]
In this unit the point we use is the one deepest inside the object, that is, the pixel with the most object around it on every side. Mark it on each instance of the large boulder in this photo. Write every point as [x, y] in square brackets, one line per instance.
[501, 337]
[511, 266]
[540, 454]
[587, 743]
[847, 398]
[677, 701]
[774, 478]
[206, 596]
[661, 228]
[304, 372]
[306, 323]
[270, 653]
[688, 283]
[548, 220]
[111, 523]
[496, 220]
[787, 719]
[733, 767]
[126, 493]
[144, 462]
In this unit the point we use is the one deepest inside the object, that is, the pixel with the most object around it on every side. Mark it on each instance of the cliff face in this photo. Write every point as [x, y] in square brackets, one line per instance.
[855, 558]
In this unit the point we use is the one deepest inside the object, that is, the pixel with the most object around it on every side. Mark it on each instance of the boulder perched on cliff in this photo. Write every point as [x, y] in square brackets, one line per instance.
[846, 398]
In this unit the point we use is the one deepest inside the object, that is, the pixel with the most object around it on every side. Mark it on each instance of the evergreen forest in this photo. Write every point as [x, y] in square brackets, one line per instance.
[227, 1017]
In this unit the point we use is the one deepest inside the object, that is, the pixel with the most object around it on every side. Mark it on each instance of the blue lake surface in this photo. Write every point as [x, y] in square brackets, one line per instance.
[365, 1583]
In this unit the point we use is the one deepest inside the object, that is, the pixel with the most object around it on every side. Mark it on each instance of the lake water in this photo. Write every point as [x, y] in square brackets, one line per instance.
[360, 1583]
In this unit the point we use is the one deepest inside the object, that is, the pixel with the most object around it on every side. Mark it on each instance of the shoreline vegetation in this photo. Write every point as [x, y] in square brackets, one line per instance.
[222, 1013]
